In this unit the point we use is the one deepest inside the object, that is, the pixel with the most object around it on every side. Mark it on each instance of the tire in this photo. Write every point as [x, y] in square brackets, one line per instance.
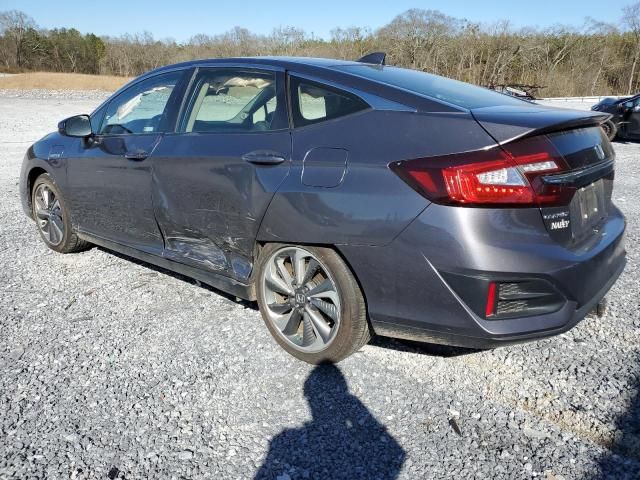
[610, 130]
[331, 295]
[52, 217]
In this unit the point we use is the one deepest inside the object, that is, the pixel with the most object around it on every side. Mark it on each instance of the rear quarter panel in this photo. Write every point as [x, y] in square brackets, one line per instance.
[371, 205]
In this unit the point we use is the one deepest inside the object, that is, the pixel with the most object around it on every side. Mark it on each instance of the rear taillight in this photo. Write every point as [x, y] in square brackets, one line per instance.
[501, 176]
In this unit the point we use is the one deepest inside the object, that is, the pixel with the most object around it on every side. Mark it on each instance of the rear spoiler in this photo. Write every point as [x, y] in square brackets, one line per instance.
[507, 123]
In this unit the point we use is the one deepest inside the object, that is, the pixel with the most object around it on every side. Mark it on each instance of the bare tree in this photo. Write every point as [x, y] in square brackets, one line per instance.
[415, 37]
[594, 59]
[631, 19]
[351, 42]
[14, 26]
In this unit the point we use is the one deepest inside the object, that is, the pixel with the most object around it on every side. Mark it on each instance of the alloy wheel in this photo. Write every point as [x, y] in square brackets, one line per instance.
[48, 212]
[302, 301]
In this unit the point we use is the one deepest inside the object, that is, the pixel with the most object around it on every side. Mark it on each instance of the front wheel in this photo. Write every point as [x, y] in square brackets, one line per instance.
[52, 217]
[311, 302]
[610, 130]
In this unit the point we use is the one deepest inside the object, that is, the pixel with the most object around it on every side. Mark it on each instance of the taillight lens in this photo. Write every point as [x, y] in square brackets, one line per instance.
[501, 176]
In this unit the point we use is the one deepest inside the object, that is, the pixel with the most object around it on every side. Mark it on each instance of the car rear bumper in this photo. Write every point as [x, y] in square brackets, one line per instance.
[490, 340]
[408, 294]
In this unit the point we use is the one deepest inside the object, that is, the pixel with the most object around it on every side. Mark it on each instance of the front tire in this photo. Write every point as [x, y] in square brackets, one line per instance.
[610, 130]
[311, 302]
[52, 217]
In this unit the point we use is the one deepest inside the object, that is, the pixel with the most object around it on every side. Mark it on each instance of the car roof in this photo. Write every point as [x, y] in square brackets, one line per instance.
[325, 69]
[274, 61]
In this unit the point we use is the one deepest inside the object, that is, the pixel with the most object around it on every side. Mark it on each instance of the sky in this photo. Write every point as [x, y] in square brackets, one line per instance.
[179, 20]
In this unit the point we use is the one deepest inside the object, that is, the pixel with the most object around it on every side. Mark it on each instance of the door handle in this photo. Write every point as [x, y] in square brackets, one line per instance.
[263, 158]
[136, 156]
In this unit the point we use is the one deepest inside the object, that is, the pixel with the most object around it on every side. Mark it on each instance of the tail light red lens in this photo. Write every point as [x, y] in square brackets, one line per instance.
[501, 176]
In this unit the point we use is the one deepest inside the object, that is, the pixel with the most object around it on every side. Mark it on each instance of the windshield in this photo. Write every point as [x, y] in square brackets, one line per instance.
[450, 91]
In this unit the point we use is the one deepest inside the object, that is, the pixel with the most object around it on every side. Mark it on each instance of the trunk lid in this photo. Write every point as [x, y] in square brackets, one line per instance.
[579, 140]
[507, 122]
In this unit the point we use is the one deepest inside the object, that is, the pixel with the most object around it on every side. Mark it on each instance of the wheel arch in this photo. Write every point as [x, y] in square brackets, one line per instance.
[259, 247]
[32, 176]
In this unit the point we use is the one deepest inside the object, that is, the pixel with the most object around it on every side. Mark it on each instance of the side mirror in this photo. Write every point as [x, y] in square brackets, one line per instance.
[78, 126]
[627, 106]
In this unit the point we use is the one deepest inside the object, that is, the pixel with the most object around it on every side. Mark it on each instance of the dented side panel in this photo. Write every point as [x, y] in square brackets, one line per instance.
[209, 202]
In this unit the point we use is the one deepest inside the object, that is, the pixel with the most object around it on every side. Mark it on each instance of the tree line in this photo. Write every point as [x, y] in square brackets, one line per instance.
[594, 59]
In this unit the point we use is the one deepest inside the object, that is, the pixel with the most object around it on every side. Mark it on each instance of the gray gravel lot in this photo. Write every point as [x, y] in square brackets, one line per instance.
[113, 369]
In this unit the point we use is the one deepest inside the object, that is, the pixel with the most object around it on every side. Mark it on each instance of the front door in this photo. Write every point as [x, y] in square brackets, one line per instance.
[633, 127]
[109, 175]
[213, 179]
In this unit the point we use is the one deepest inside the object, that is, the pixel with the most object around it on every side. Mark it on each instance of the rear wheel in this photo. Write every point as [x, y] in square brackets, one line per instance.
[311, 302]
[52, 217]
[610, 129]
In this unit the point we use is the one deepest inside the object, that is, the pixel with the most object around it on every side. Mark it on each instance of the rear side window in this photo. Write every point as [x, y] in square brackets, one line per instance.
[450, 91]
[313, 102]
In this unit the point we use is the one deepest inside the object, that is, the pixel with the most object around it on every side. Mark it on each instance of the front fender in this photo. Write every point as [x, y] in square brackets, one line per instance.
[44, 156]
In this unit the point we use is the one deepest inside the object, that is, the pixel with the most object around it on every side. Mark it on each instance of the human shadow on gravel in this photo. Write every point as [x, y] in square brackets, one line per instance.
[623, 457]
[342, 440]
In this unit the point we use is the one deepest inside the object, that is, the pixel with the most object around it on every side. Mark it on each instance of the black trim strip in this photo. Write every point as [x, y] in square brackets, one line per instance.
[583, 177]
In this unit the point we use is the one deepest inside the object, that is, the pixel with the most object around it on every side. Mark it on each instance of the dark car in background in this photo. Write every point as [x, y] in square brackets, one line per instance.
[625, 117]
[348, 198]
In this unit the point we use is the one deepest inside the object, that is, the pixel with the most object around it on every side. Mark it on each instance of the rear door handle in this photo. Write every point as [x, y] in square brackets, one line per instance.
[263, 158]
[136, 156]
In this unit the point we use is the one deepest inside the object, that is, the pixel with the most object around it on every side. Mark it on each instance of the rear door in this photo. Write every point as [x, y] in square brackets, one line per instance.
[214, 177]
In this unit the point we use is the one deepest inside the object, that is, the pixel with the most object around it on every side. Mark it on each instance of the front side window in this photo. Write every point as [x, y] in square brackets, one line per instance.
[143, 108]
[314, 102]
[229, 100]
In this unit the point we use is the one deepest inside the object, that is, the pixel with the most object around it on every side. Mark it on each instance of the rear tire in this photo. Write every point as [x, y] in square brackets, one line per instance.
[311, 302]
[610, 130]
[52, 217]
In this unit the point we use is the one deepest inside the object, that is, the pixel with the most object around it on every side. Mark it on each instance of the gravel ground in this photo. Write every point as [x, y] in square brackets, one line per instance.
[114, 369]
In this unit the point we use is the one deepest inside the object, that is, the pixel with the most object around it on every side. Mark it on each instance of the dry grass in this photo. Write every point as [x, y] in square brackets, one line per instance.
[62, 81]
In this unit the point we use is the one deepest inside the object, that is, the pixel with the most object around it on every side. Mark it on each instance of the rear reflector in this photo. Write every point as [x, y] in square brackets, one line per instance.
[501, 176]
[505, 298]
[491, 300]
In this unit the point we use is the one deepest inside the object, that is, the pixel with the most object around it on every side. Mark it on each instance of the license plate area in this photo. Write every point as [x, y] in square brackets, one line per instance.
[573, 223]
[587, 209]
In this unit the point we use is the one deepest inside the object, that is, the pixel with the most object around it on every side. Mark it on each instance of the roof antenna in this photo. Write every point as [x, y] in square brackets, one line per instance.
[376, 58]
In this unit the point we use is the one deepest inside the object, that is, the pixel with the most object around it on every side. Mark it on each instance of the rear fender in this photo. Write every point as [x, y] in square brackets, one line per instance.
[369, 204]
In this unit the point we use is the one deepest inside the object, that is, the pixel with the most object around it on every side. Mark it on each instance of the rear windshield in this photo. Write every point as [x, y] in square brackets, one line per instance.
[453, 92]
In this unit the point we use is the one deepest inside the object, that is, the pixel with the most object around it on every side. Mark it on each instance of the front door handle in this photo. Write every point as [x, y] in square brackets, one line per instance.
[264, 157]
[136, 156]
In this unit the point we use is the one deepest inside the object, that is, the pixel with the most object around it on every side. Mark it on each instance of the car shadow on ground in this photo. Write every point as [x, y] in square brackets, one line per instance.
[342, 439]
[178, 276]
[622, 459]
[430, 349]
[377, 341]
